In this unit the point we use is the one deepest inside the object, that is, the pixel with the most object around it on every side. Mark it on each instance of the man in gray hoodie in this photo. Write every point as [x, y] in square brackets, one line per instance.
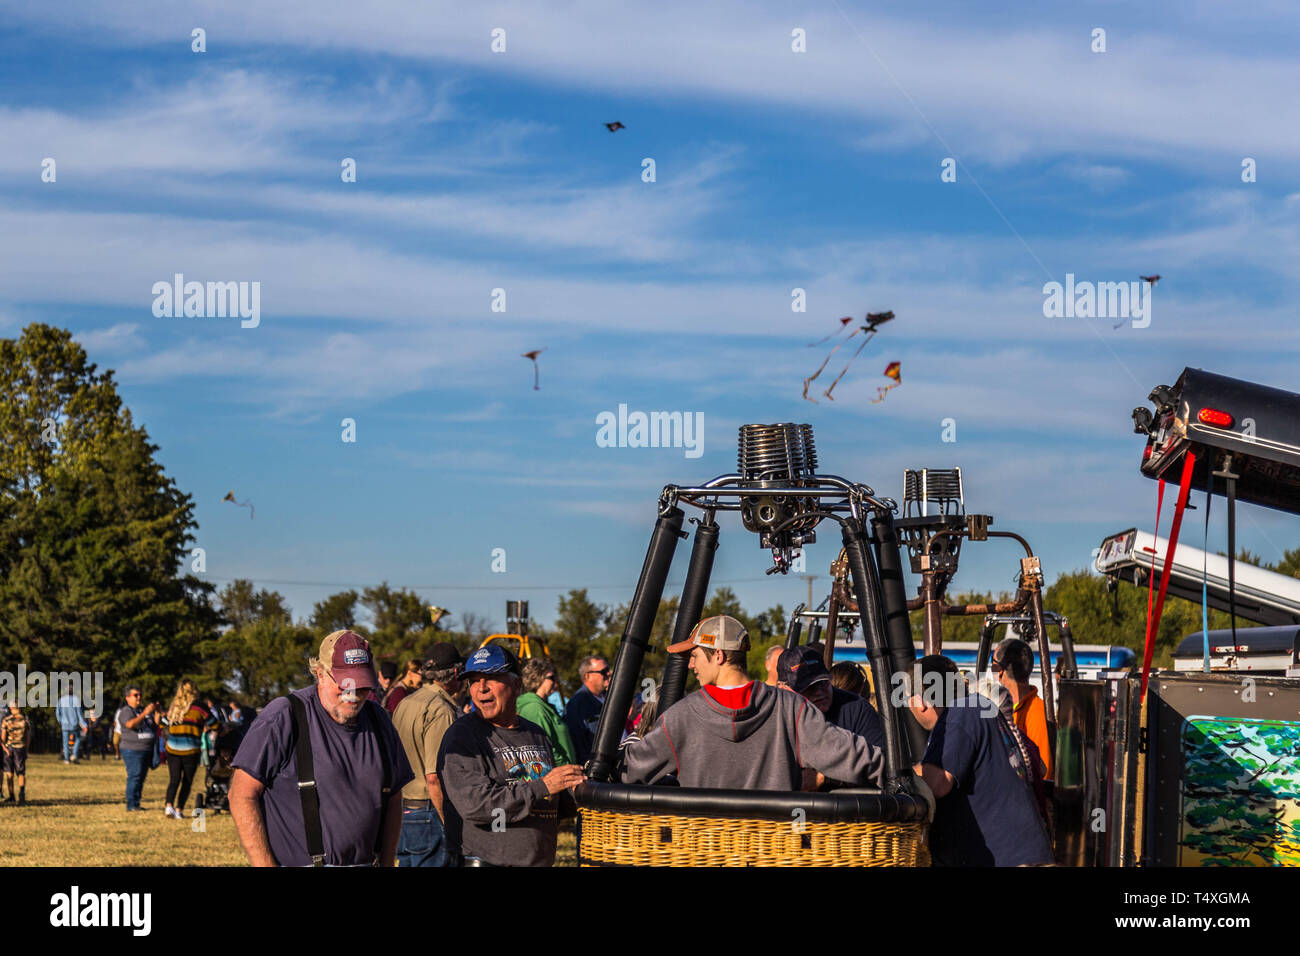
[739, 734]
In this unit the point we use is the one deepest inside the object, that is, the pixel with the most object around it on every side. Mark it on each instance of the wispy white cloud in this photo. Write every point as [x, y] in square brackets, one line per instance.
[994, 93]
[219, 121]
[113, 340]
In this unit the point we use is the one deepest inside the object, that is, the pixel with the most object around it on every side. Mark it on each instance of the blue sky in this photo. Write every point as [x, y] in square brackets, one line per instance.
[774, 170]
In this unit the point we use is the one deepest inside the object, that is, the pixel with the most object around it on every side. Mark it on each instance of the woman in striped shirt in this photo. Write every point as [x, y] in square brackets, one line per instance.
[187, 721]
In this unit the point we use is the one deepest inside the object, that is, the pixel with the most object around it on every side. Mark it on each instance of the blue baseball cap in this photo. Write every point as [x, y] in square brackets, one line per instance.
[492, 659]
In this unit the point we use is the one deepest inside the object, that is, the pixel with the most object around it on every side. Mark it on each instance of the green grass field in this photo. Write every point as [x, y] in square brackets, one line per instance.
[76, 816]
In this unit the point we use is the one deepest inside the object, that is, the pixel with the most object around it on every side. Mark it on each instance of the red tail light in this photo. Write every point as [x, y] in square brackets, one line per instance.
[1212, 416]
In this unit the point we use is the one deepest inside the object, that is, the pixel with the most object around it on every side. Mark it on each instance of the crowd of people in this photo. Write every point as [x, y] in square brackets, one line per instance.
[191, 731]
[468, 761]
[474, 766]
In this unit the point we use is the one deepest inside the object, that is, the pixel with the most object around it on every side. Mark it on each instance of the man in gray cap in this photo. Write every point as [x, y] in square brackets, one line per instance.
[740, 734]
[421, 719]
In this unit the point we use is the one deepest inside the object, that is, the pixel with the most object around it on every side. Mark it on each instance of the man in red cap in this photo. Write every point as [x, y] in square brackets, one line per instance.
[318, 777]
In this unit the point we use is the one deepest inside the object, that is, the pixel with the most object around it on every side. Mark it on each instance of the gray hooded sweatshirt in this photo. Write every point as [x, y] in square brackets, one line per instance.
[762, 746]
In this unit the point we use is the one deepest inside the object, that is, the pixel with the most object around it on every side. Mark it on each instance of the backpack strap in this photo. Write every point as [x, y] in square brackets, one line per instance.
[307, 782]
[385, 781]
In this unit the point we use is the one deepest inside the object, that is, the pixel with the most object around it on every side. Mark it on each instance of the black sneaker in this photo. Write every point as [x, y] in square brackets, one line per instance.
[9, 799]
[22, 799]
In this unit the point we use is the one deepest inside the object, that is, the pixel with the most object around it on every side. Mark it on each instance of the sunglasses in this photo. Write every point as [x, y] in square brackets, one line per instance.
[603, 672]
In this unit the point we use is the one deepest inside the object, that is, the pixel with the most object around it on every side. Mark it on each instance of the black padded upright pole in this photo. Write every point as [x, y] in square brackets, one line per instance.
[631, 650]
[898, 625]
[694, 594]
[815, 631]
[985, 649]
[796, 631]
[866, 588]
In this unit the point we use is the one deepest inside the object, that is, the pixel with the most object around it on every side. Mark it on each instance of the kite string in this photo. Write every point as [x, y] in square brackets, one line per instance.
[870, 336]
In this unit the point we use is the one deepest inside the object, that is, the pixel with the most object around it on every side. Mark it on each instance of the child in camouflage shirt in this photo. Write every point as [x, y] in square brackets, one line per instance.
[15, 735]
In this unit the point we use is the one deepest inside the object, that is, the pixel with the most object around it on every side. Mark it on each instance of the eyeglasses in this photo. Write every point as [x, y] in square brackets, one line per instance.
[359, 691]
[603, 672]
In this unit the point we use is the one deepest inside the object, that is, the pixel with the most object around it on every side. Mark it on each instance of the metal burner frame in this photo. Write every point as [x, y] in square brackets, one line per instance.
[874, 562]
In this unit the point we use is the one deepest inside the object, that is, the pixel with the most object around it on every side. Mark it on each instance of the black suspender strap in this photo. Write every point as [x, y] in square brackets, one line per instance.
[307, 782]
[385, 786]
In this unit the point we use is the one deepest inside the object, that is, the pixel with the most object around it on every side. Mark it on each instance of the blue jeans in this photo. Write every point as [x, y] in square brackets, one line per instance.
[71, 742]
[137, 768]
[422, 842]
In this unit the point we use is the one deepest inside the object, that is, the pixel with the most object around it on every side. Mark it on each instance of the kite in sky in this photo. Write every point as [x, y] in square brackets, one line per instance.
[843, 322]
[230, 496]
[536, 371]
[893, 370]
[873, 322]
[1150, 280]
[615, 126]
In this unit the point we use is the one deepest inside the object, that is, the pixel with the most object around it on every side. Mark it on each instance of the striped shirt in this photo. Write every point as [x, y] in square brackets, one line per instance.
[185, 737]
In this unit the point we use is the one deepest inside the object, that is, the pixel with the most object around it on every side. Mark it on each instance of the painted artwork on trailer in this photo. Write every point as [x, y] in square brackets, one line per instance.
[1240, 792]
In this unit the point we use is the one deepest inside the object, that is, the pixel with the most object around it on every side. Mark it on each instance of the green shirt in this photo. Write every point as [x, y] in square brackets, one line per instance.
[531, 707]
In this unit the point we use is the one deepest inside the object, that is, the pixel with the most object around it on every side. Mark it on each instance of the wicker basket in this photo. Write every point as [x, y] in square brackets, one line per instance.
[615, 838]
[815, 834]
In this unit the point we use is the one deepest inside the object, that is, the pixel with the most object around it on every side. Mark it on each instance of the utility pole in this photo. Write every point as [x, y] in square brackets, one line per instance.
[809, 578]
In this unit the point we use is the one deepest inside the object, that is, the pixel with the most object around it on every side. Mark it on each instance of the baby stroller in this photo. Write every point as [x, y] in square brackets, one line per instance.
[217, 757]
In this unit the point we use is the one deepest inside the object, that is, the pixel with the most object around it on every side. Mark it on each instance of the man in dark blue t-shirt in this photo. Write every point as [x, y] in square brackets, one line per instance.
[582, 715]
[347, 730]
[802, 670]
[986, 813]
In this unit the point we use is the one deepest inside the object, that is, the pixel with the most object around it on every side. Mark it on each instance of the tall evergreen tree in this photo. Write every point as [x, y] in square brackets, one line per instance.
[93, 534]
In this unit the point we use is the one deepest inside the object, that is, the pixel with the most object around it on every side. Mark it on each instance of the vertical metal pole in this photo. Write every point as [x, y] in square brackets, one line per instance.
[832, 625]
[1045, 660]
[694, 593]
[1070, 670]
[866, 588]
[898, 625]
[933, 629]
[631, 650]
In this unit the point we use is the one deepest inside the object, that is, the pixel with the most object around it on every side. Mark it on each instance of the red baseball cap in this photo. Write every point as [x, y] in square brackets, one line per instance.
[345, 655]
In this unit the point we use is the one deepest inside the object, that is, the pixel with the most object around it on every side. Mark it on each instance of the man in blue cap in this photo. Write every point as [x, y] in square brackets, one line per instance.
[501, 788]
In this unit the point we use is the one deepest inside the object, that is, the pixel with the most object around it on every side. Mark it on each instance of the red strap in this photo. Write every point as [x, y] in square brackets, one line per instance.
[1151, 578]
[1153, 622]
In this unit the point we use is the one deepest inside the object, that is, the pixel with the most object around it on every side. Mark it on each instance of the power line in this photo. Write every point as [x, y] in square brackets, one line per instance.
[470, 587]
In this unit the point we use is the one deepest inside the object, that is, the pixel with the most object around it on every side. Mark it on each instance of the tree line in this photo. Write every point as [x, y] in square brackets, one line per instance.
[95, 540]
